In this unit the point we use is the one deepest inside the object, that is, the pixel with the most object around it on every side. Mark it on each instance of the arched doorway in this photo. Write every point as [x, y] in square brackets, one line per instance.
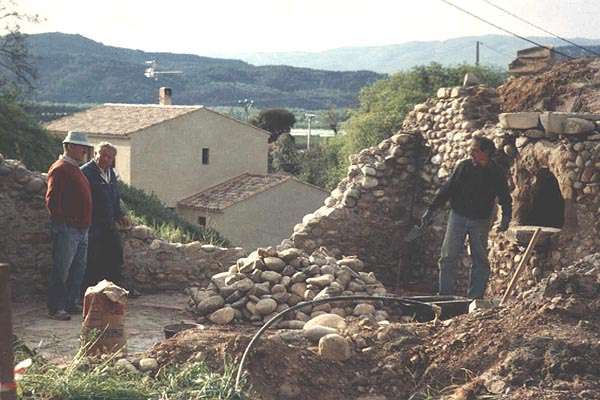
[547, 207]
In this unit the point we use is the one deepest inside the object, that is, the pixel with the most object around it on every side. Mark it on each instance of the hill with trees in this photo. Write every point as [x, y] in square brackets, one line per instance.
[74, 69]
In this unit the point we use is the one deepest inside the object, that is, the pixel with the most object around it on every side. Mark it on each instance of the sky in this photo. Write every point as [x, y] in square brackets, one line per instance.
[229, 27]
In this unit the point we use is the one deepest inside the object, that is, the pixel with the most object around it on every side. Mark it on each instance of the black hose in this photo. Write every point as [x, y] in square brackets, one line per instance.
[403, 300]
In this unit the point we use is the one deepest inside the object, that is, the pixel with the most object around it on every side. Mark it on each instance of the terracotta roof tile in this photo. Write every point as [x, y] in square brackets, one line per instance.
[119, 119]
[233, 191]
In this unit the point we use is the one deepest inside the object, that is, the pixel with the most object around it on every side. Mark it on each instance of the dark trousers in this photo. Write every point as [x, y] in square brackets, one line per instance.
[69, 247]
[105, 257]
[452, 249]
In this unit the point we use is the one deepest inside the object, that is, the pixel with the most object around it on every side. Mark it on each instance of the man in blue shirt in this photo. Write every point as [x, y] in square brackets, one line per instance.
[105, 251]
[471, 190]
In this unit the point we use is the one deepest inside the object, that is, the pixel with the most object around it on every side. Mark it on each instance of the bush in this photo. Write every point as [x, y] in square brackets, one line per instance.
[24, 139]
[147, 209]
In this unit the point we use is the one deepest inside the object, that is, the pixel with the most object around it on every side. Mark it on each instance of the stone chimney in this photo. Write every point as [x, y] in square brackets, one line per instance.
[164, 96]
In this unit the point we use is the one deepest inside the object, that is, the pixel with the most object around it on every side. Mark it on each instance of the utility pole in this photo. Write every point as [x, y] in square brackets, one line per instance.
[309, 117]
[477, 43]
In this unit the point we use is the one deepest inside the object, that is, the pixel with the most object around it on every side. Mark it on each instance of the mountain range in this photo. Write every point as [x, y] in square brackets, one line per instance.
[494, 50]
[75, 69]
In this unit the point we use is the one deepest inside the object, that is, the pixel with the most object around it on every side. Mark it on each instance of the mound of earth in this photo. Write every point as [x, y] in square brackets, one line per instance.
[572, 86]
[545, 345]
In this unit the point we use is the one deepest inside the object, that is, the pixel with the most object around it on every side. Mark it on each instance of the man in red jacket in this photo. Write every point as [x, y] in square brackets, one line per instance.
[69, 201]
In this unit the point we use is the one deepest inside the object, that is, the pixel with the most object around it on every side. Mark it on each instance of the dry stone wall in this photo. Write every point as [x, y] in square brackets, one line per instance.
[150, 263]
[566, 147]
[389, 186]
[448, 122]
[25, 239]
[368, 212]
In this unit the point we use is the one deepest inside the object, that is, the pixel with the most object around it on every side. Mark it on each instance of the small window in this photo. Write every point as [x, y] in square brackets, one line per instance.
[205, 156]
[202, 221]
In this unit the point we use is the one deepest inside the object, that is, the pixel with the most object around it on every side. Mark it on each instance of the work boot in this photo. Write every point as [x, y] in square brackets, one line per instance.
[60, 315]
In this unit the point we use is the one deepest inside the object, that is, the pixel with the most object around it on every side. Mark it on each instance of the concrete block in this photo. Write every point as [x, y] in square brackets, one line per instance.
[553, 122]
[521, 120]
[576, 126]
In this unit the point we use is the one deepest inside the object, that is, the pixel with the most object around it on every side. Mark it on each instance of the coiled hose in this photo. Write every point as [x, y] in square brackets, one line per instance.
[403, 301]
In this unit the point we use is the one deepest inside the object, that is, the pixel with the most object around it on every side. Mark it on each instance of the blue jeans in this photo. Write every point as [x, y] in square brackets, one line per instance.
[69, 255]
[452, 248]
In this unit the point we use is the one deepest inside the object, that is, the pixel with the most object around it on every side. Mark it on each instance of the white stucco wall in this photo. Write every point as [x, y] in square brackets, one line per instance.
[123, 159]
[167, 158]
[264, 219]
[123, 145]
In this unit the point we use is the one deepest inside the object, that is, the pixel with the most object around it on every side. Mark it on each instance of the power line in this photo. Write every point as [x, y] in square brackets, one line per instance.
[540, 28]
[506, 30]
[502, 53]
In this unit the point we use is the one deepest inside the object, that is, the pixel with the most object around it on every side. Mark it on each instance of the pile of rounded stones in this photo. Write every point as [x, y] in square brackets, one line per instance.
[269, 281]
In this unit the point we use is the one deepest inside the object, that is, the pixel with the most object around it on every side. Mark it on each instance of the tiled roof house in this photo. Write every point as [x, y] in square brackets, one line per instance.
[184, 152]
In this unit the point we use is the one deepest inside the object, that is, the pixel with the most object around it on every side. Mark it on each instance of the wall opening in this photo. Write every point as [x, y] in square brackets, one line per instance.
[547, 207]
[205, 155]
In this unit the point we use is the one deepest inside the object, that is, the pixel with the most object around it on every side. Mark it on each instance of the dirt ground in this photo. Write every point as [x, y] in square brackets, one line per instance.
[544, 345]
[58, 341]
[568, 86]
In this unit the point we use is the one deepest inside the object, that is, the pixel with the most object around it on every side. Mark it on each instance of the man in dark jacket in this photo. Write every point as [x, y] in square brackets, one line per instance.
[105, 251]
[472, 189]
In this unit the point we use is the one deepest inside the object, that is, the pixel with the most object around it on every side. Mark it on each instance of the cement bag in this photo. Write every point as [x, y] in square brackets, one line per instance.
[104, 307]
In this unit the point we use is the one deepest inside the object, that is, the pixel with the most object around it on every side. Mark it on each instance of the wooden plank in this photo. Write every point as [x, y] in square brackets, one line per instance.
[8, 388]
[524, 260]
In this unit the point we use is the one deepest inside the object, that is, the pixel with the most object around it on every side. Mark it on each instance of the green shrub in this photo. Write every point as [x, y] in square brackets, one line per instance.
[22, 138]
[147, 209]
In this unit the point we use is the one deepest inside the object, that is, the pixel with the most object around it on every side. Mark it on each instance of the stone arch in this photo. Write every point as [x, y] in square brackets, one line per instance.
[543, 186]
[547, 206]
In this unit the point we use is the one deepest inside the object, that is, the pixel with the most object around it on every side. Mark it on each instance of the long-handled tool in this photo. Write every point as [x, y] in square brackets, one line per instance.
[415, 233]
[524, 260]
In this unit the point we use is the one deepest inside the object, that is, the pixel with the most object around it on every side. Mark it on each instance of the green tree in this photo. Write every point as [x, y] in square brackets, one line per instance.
[21, 137]
[384, 105]
[318, 166]
[284, 156]
[274, 120]
[333, 118]
[16, 70]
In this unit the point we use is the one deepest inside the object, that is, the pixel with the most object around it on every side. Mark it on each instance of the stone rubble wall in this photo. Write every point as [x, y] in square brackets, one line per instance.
[150, 263]
[448, 122]
[371, 209]
[568, 145]
[271, 280]
[389, 186]
[374, 207]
